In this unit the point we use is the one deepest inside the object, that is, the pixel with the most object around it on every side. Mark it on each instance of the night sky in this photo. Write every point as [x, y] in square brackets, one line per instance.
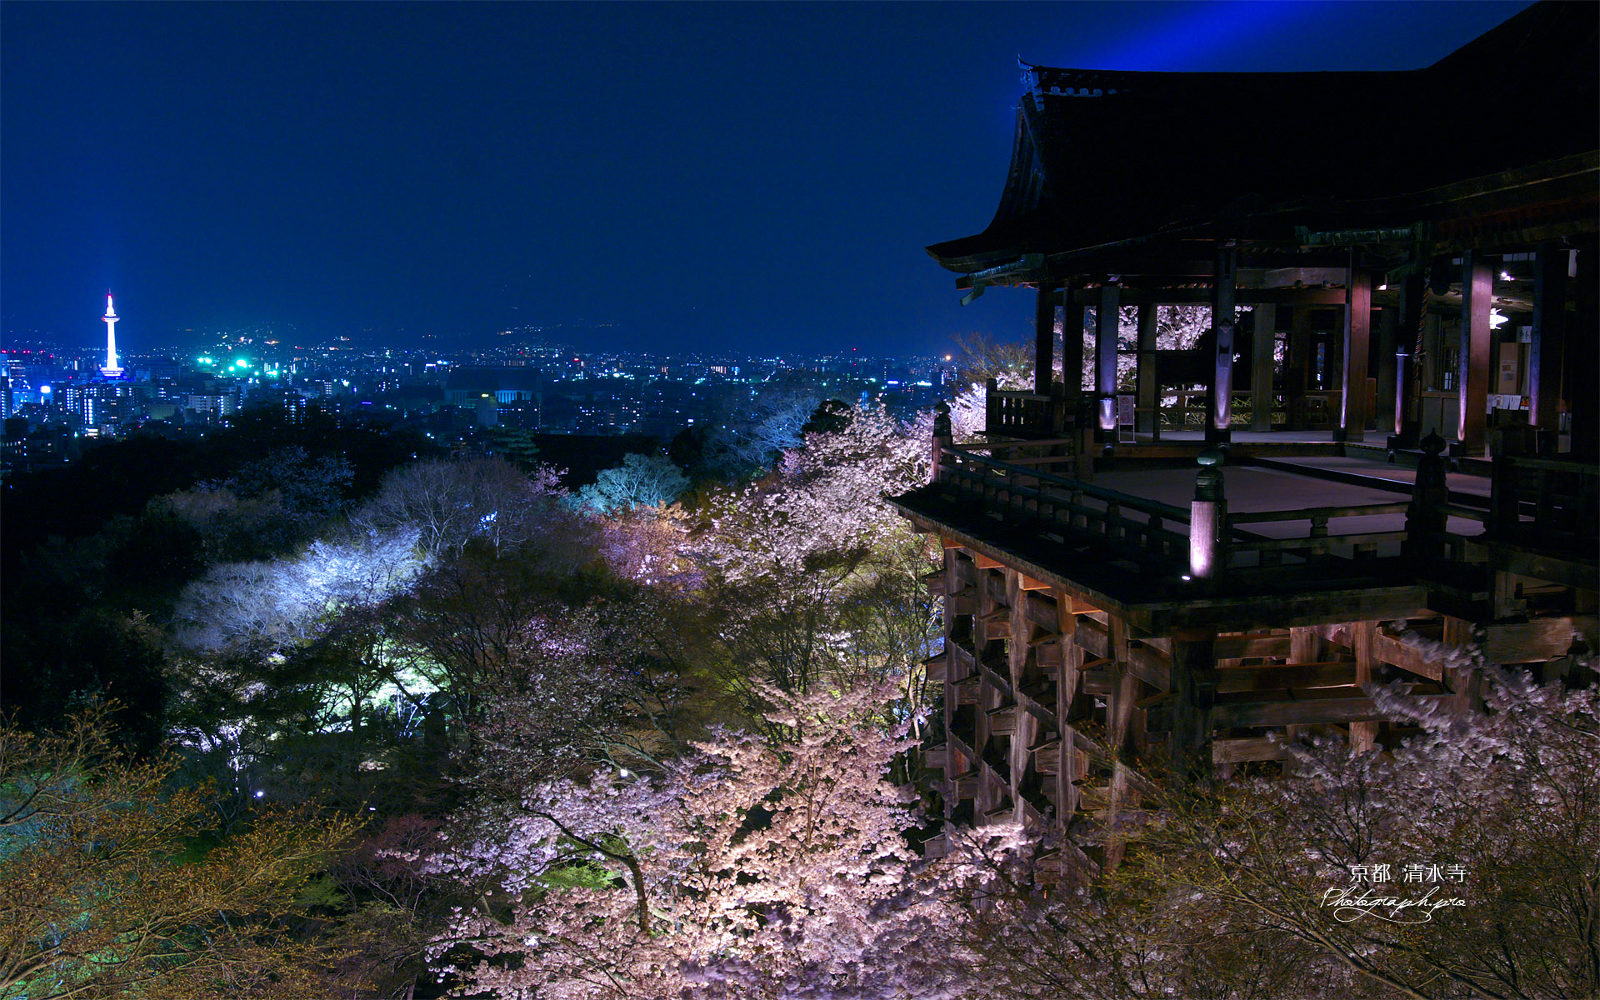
[761, 178]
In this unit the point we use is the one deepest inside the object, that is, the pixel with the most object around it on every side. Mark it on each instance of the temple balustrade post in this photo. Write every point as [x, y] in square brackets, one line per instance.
[1208, 519]
[1426, 516]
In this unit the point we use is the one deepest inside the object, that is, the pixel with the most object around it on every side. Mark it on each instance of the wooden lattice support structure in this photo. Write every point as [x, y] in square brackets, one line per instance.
[1077, 650]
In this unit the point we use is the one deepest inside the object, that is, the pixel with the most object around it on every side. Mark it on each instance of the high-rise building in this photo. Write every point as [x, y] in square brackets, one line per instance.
[111, 369]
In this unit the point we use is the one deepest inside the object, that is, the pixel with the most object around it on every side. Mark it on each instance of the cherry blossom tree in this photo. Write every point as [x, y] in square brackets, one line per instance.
[826, 496]
[748, 869]
[282, 602]
[449, 502]
[811, 576]
[1465, 862]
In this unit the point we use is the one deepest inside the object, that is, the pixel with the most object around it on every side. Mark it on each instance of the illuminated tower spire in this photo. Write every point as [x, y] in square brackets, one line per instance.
[110, 370]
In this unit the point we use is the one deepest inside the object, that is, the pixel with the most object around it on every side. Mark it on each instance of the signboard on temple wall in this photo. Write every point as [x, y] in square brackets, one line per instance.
[1510, 380]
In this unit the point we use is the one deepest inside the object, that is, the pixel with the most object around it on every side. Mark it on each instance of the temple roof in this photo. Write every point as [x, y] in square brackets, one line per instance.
[1111, 157]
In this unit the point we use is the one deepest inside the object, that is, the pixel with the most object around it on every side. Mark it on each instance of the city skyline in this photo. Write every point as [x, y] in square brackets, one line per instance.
[694, 177]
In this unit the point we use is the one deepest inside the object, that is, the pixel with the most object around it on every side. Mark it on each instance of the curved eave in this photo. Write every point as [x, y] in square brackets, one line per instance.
[1534, 77]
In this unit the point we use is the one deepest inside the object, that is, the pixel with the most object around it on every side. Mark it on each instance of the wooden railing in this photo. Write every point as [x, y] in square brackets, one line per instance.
[1011, 413]
[1190, 410]
[1543, 502]
[1019, 494]
[1246, 547]
[1162, 538]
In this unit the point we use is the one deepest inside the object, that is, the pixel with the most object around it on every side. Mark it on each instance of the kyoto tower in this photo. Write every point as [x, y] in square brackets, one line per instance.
[110, 369]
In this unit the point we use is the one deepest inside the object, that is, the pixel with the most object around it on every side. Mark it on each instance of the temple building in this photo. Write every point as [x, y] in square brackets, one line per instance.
[1384, 445]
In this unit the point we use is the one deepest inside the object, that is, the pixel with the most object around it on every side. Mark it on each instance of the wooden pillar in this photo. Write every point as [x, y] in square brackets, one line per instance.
[1072, 343]
[1067, 683]
[1357, 345]
[1549, 341]
[1383, 417]
[1044, 335]
[1408, 361]
[1261, 346]
[1119, 733]
[1305, 646]
[1465, 682]
[952, 586]
[1296, 377]
[1194, 691]
[990, 783]
[1148, 399]
[1363, 637]
[1023, 724]
[1583, 356]
[1105, 356]
[1472, 375]
[1223, 297]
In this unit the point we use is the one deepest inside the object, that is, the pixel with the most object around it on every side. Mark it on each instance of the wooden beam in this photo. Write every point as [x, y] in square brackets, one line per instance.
[987, 562]
[1040, 610]
[1249, 748]
[1533, 641]
[1150, 666]
[1029, 583]
[1322, 711]
[1388, 649]
[1092, 636]
[1231, 647]
[1300, 676]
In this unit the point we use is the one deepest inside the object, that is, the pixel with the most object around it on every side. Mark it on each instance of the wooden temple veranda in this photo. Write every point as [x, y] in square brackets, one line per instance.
[1401, 272]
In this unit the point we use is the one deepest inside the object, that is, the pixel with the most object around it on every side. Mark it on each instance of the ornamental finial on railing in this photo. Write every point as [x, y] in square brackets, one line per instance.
[1426, 518]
